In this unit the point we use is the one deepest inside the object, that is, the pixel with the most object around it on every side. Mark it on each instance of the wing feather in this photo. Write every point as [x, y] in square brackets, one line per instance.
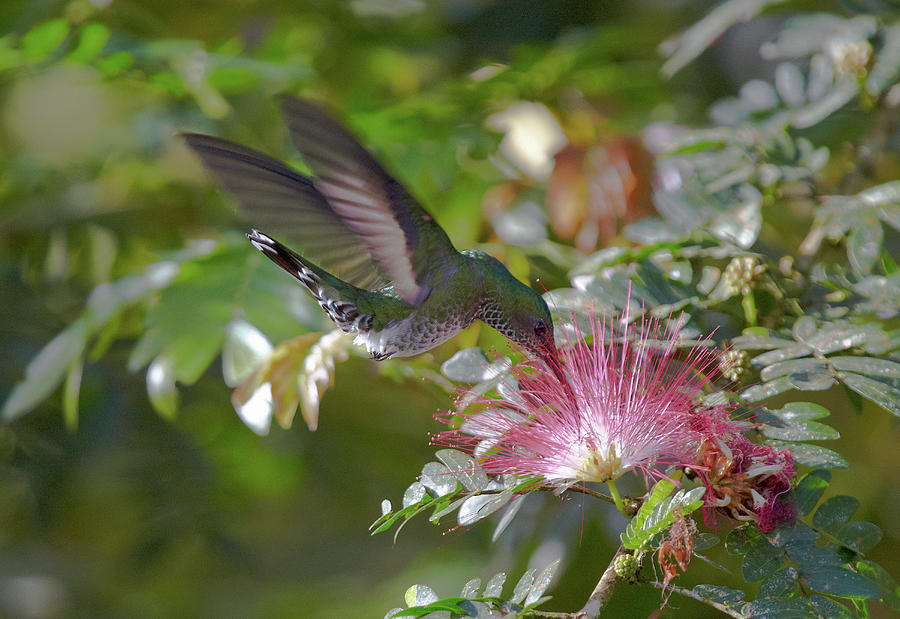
[272, 195]
[400, 235]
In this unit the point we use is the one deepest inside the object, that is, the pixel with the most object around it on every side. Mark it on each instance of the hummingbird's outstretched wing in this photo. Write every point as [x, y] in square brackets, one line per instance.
[275, 197]
[400, 235]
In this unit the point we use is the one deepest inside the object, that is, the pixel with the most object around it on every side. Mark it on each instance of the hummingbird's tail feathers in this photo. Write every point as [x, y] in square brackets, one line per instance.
[344, 314]
[270, 194]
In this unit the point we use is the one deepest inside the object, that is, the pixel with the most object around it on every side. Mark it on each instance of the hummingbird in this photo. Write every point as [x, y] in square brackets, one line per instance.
[373, 258]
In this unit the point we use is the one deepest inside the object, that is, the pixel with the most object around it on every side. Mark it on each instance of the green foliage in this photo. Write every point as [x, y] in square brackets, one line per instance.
[457, 484]
[526, 595]
[823, 556]
[658, 511]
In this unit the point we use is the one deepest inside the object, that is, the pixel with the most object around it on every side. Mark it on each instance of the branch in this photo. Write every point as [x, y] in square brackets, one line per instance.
[602, 592]
[585, 490]
[688, 593]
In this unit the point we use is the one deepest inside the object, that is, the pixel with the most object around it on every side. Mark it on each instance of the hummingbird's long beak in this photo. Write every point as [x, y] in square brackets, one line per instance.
[550, 356]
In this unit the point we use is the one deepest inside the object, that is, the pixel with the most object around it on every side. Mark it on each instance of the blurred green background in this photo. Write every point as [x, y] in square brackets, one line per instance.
[125, 513]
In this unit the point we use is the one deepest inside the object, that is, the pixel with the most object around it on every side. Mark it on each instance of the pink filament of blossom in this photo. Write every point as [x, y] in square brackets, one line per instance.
[628, 405]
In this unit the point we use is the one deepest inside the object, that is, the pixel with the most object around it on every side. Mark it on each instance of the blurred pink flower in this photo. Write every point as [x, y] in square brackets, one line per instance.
[629, 403]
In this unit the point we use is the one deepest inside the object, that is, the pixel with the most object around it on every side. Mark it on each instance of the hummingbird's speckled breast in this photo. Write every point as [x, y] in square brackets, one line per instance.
[453, 305]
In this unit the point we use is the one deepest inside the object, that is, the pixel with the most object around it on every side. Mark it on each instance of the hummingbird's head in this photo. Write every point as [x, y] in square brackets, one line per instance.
[524, 318]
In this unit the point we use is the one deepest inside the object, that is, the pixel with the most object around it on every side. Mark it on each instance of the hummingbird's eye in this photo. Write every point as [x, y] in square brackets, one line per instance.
[540, 328]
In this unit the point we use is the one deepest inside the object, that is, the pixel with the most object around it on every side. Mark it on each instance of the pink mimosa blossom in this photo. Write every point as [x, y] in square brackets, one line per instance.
[628, 403]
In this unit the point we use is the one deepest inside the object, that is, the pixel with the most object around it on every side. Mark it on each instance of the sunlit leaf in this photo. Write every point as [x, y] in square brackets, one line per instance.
[494, 586]
[44, 38]
[161, 387]
[793, 366]
[812, 455]
[890, 590]
[864, 245]
[470, 589]
[438, 479]
[245, 348]
[523, 587]
[800, 411]
[766, 390]
[464, 468]
[481, 506]
[508, 515]
[867, 365]
[884, 395]
[91, 40]
[317, 375]
[46, 371]
[541, 583]
[275, 382]
[722, 595]
[799, 431]
[414, 494]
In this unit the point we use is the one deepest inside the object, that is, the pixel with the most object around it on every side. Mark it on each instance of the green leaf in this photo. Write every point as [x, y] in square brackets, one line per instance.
[44, 38]
[438, 479]
[800, 411]
[835, 512]
[818, 379]
[760, 561]
[807, 553]
[860, 536]
[494, 586]
[115, 63]
[791, 351]
[812, 455]
[804, 328]
[523, 587]
[91, 41]
[864, 244]
[890, 590]
[829, 609]
[245, 349]
[46, 371]
[884, 395]
[766, 390]
[657, 513]
[541, 583]
[810, 489]
[161, 387]
[465, 468]
[867, 365]
[233, 80]
[188, 322]
[780, 608]
[761, 558]
[479, 507]
[705, 541]
[469, 365]
[779, 584]
[71, 393]
[839, 581]
[799, 431]
[832, 338]
[722, 595]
